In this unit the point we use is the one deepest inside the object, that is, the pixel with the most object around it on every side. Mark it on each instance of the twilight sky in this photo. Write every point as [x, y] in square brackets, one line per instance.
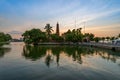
[101, 17]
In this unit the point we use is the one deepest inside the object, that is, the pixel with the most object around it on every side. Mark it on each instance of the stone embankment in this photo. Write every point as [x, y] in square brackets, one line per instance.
[114, 47]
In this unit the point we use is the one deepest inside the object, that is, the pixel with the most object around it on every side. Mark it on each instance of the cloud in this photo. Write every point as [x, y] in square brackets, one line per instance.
[99, 15]
[22, 15]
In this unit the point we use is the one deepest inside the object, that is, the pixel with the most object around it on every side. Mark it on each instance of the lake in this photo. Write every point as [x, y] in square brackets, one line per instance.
[21, 62]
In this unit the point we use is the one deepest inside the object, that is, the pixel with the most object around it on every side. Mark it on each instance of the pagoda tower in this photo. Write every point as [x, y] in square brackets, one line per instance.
[57, 29]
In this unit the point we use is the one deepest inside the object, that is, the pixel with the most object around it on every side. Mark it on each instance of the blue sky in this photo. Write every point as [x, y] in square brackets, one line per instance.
[102, 17]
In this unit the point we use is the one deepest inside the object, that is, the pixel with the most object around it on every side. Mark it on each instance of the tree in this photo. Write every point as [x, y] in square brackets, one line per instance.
[34, 36]
[103, 38]
[56, 38]
[67, 35]
[112, 38]
[79, 35]
[49, 30]
[107, 37]
[73, 36]
[79, 30]
[4, 37]
[7, 37]
[89, 36]
[97, 39]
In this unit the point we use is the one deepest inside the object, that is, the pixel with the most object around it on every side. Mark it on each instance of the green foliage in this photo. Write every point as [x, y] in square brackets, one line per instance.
[68, 35]
[97, 39]
[4, 37]
[34, 36]
[90, 36]
[107, 37]
[103, 38]
[56, 38]
[49, 30]
[73, 36]
[112, 38]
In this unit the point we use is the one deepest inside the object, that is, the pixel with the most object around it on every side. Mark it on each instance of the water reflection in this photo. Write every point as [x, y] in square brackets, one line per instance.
[3, 51]
[52, 53]
[48, 59]
[34, 52]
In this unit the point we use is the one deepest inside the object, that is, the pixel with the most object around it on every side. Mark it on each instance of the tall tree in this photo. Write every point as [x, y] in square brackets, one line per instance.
[90, 36]
[4, 37]
[33, 36]
[107, 37]
[97, 39]
[73, 36]
[49, 30]
[103, 39]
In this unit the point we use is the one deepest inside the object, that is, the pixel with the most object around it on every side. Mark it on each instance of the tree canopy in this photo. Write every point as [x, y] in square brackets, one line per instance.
[4, 37]
[33, 36]
[49, 30]
[73, 36]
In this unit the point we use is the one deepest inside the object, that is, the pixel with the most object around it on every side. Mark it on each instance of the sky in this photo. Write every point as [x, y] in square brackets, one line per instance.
[100, 17]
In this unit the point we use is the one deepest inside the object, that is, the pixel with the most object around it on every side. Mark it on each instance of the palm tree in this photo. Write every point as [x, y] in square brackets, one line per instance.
[89, 36]
[97, 39]
[79, 30]
[48, 30]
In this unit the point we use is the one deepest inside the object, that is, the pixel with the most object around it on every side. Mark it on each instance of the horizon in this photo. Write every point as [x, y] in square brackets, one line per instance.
[101, 17]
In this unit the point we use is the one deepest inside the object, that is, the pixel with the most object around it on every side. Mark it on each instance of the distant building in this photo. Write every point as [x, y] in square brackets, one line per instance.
[116, 41]
[17, 40]
[57, 29]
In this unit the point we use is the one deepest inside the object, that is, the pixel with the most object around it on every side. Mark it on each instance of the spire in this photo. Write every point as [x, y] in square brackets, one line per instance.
[57, 29]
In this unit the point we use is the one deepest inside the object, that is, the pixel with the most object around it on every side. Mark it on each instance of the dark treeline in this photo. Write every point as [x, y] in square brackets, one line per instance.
[4, 38]
[34, 36]
[3, 51]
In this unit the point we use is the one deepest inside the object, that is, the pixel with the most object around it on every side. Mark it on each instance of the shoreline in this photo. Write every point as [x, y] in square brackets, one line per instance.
[99, 45]
[92, 44]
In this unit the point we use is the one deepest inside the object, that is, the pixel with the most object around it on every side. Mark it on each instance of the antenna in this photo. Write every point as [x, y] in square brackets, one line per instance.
[84, 26]
[75, 23]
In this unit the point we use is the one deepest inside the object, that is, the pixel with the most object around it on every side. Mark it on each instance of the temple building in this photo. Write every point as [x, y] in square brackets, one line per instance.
[57, 29]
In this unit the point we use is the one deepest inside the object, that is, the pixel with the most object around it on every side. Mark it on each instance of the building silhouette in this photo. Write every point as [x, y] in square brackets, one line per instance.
[57, 29]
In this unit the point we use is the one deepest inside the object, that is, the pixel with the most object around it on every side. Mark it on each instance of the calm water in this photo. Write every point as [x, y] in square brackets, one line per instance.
[20, 62]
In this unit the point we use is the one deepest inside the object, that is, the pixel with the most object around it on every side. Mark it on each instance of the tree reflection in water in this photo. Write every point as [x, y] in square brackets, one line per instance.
[3, 51]
[49, 52]
[49, 57]
[34, 52]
